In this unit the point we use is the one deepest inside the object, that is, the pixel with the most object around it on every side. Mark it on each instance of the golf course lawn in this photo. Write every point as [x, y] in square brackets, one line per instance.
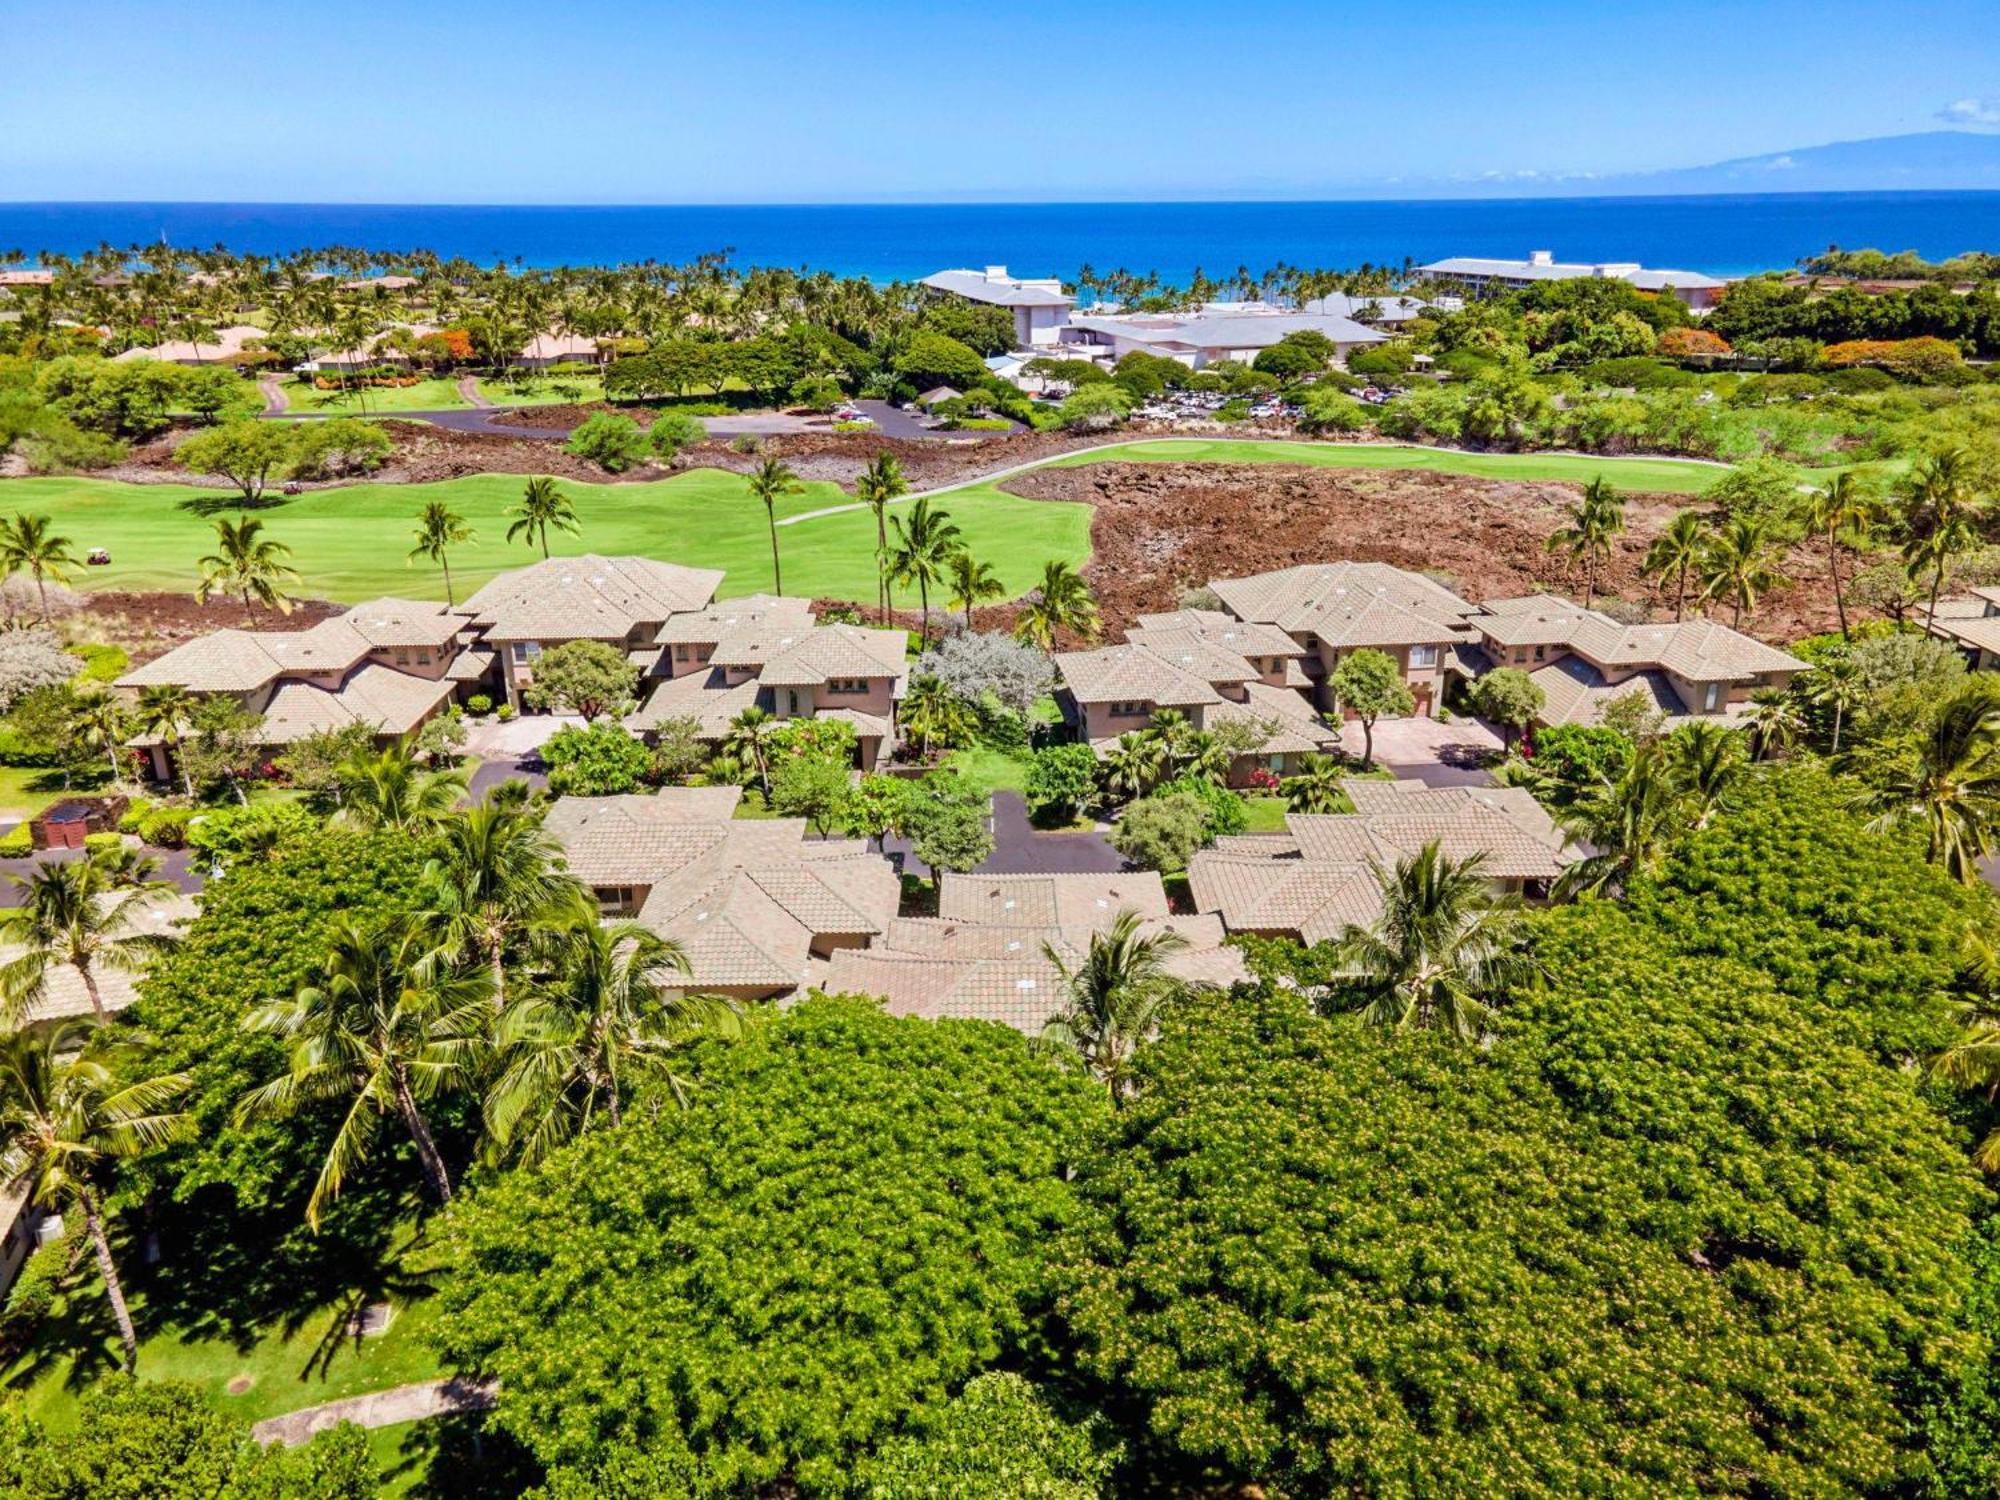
[425, 395]
[1667, 475]
[541, 390]
[352, 544]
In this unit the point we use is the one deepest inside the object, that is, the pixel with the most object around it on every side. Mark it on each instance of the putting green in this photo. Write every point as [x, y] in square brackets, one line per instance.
[352, 543]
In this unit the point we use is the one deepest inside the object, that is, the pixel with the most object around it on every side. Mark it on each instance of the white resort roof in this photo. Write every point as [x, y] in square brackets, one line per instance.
[995, 286]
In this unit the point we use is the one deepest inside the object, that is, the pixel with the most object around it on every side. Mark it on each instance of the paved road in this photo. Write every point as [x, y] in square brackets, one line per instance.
[1020, 848]
[406, 1403]
[176, 865]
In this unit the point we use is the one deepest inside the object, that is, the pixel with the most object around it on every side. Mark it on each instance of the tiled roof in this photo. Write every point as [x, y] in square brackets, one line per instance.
[831, 651]
[389, 701]
[588, 598]
[239, 661]
[1244, 637]
[64, 994]
[1195, 656]
[1980, 630]
[1117, 674]
[1321, 876]
[706, 696]
[1695, 650]
[405, 622]
[745, 900]
[1575, 692]
[633, 840]
[1299, 730]
[1073, 903]
[722, 620]
[986, 955]
[1349, 604]
[223, 661]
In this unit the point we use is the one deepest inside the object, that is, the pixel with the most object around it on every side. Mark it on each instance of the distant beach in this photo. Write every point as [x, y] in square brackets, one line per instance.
[1721, 235]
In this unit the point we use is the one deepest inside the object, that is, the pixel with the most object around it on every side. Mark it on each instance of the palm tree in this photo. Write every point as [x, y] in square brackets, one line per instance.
[1941, 512]
[163, 710]
[1676, 553]
[497, 873]
[1630, 823]
[880, 483]
[71, 916]
[388, 1023]
[972, 582]
[1444, 943]
[1949, 784]
[391, 789]
[1112, 1000]
[774, 477]
[1062, 602]
[1838, 686]
[932, 710]
[1707, 760]
[609, 1009]
[1773, 722]
[1843, 504]
[1593, 521]
[439, 529]
[27, 545]
[1737, 565]
[1316, 788]
[1137, 763]
[925, 540]
[1972, 1061]
[248, 564]
[749, 741]
[63, 1115]
[541, 506]
[100, 723]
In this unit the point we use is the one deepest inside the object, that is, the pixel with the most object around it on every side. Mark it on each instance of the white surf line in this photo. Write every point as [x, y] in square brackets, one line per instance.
[1042, 463]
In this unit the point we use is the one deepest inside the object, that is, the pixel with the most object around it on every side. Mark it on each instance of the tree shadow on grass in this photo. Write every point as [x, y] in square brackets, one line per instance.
[215, 505]
[460, 1458]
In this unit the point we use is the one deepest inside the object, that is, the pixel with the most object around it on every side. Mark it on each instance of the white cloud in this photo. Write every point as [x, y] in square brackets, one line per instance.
[1971, 112]
[1779, 164]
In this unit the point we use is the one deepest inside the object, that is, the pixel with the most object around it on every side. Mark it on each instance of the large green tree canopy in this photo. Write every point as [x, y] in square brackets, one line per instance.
[848, 1223]
[262, 928]
[1665, 1235]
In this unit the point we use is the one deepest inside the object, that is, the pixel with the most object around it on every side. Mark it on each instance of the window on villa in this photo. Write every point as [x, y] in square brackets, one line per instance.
[527, 650]
[1423, 656]
[848, 686]
[1131, 710]
[680, 653]
[1540, 652]
[1714, 698]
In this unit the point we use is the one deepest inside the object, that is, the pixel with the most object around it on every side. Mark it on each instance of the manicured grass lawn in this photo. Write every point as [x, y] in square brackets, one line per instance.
[290, 1363]
[1671, 475]
[989, 770]
[352, 543]
[557, 391]
[425, 395]
[26, 790]
[1267, 815]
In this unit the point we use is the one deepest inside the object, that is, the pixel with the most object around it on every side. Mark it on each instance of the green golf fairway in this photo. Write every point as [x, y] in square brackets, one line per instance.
[353, 543]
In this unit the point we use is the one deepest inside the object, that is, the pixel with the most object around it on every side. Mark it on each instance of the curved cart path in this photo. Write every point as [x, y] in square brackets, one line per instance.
[468, 387]
[276, 402]
[405, 1403]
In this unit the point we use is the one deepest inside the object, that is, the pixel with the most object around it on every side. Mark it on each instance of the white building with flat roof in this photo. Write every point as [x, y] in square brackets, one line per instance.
[1217, 331]
[1039, 304]
[1480, 274]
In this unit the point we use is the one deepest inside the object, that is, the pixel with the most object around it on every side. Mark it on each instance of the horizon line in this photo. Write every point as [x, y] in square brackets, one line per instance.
[955, 203]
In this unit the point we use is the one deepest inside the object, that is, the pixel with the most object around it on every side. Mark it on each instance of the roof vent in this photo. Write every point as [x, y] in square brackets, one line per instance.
[1024, 984]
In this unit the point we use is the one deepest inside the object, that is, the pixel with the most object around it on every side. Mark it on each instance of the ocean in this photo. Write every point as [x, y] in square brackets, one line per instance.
[1721, 235]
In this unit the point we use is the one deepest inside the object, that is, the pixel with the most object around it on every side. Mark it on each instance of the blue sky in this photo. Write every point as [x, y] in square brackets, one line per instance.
[785, 100]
